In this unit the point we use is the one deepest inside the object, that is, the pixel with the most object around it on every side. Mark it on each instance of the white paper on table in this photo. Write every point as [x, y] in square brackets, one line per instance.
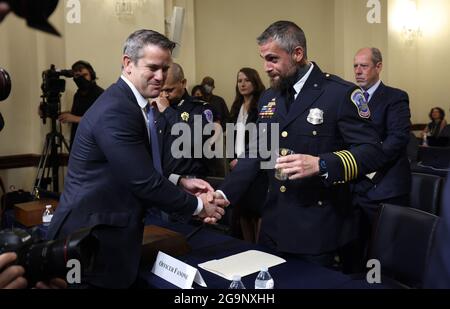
[243, 264]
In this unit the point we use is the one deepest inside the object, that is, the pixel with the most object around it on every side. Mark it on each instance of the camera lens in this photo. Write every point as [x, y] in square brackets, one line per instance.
[49, 259]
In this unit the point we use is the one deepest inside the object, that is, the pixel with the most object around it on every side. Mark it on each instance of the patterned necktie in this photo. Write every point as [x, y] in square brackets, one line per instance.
[366, 96]
[156, 154]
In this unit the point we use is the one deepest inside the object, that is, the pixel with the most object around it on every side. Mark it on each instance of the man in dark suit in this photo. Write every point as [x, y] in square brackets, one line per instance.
[324, 120]
[391, 116]
[114, 171]
[437, 275]
[390, 184]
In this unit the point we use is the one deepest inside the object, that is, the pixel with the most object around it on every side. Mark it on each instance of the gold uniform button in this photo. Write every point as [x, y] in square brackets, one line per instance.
[314, 133]
[284, 134]
[328, 75]
[320, 203]
[282, 189]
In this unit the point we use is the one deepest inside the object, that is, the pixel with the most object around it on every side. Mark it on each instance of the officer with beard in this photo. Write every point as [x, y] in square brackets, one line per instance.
[326, 140]
[88, 91]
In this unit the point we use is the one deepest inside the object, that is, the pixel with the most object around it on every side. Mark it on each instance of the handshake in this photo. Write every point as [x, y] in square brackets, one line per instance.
[214, 202]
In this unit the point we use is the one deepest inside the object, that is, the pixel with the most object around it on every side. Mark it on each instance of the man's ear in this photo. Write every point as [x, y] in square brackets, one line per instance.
[126, 63]
[379, 66]
[298, 54]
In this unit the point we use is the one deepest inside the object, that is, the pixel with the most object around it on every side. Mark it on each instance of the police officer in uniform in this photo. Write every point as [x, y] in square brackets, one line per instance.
[181, 108]
[324, 121]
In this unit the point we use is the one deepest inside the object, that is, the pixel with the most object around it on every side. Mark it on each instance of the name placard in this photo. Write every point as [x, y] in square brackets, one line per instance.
[176, 272]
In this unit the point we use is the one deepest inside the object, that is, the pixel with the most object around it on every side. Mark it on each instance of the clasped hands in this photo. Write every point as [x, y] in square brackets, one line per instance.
[213, 202]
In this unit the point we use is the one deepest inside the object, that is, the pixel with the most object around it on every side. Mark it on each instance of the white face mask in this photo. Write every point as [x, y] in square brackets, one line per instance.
[208, 88]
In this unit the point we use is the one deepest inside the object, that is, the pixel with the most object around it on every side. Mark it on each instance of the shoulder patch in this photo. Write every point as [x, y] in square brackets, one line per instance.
[208, 115]
[358, 99]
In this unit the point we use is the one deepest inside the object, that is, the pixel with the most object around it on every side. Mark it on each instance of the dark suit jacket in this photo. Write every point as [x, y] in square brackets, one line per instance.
[391, 116]
[110, 181]
[437, 276]
[312, 215]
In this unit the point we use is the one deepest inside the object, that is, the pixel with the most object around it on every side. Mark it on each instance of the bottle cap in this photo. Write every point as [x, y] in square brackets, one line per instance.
[48, 206]
[236, 277]
[264, 268]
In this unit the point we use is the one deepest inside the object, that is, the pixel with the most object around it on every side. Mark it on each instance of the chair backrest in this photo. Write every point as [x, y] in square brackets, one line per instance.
[401, 242]
[426, 192]
[445, 131]
[435, 157]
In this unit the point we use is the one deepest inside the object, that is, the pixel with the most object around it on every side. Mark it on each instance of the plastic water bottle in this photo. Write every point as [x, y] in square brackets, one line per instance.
[236, 283]
[424, 140]
[264, 279]
[47, 215]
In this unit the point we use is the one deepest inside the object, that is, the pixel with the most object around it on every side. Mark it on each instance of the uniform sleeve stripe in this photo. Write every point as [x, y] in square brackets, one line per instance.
[351, 169]
[353, 161]
[345, 163]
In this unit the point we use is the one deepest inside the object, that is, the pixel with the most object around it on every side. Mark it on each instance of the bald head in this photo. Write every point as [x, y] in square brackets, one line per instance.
[175, 84]
[367, 66]
[175, 73]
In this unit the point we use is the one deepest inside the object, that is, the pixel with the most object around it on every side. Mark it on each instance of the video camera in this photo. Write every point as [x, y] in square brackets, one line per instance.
[52, 86]
[45, 260]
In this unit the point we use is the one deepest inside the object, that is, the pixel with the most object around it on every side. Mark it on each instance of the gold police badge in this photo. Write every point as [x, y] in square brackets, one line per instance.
[185, 116]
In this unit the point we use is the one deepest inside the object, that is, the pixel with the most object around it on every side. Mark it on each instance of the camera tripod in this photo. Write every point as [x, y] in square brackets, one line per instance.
[50, 161]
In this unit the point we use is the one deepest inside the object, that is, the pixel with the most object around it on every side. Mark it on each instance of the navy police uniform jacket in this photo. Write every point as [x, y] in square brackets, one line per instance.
[185, 111]
[110, 182]
[313, 215]
[391, 116]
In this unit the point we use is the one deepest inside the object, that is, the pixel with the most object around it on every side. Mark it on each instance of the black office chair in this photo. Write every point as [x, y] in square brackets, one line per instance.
[445, 132]
[401, 242]
[426, 192]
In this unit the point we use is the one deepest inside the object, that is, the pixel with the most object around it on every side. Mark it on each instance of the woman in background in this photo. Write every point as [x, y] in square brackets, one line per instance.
[246, 214]
[198, 92]
[434, 128]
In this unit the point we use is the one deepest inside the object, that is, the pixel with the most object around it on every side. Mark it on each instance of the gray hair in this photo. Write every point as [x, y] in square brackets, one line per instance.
[376, 55]
[287, 34]
[139, 39]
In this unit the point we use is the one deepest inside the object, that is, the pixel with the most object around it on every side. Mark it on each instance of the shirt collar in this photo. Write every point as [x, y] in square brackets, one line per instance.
[372, 89]
[139, 98]
[299, 85]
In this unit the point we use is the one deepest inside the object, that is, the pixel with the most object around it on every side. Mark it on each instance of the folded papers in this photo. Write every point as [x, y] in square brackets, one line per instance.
[243, 264]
